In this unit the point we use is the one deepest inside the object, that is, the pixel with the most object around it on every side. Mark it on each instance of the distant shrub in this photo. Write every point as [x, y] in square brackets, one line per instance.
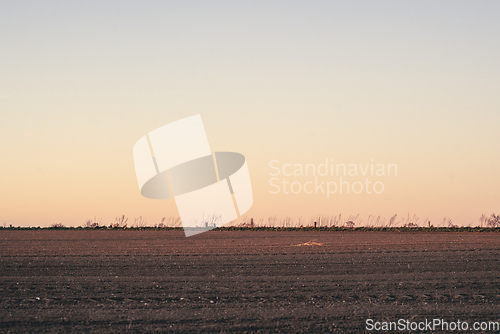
[140, 222]
[170, 222]
[120, 222]
[93, 223]
[57, 226]
[494, 220]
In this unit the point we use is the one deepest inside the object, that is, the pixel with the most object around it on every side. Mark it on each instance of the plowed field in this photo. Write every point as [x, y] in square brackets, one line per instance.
[242, 281]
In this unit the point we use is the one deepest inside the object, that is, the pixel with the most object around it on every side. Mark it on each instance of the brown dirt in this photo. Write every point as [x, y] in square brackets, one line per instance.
[242, 281]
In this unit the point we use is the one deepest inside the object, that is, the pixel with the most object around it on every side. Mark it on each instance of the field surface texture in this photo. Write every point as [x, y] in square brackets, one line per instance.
[242, 281]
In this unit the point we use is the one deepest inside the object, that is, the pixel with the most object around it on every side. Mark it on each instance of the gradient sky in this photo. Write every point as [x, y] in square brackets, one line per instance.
[409, 83]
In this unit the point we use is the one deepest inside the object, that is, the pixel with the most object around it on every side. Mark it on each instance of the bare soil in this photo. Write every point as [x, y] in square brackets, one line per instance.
[242, 281]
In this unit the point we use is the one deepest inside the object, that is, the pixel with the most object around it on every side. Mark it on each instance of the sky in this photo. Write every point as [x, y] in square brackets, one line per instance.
[413, 84]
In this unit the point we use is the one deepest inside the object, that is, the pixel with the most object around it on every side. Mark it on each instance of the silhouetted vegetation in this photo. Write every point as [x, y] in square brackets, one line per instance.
[318, 223]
